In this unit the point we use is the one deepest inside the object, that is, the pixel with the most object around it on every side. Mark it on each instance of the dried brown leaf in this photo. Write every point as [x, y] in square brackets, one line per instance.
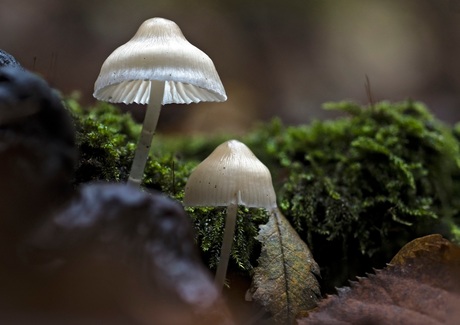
[421, 285]
[285, 281]
[420, 245]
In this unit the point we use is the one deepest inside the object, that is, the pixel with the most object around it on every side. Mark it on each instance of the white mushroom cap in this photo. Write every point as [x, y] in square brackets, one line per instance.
[231, 174]
[158, 51]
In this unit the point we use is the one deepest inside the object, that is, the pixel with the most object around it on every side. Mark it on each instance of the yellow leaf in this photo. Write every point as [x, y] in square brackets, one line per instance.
[285, 280]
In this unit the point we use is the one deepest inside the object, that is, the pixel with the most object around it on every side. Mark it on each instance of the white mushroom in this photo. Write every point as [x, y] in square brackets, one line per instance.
[157, 66]
[230, 176]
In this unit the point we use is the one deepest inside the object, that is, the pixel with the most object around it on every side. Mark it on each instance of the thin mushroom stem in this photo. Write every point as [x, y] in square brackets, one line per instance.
[229, 231]
[148, 130]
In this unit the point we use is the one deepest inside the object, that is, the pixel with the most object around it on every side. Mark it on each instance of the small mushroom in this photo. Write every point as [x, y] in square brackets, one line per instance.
[230, 176]
[157, 66]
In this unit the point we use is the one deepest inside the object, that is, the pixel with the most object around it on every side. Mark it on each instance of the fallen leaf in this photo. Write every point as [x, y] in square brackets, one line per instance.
[420, 245]
[421, 285]
[285, 280]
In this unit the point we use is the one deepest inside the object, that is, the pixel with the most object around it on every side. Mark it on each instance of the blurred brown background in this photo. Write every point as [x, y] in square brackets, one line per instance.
[275, 58]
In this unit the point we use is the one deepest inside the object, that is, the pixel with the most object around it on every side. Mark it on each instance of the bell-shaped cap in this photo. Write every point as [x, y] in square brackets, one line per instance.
[158, 51]
[231, 174]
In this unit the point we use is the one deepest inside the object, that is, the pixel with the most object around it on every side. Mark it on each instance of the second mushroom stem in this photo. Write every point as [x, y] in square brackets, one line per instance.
[226, 249]
[148, 130]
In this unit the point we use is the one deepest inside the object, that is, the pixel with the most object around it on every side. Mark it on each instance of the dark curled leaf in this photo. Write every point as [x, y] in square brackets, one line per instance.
[420, 286]
[285, 281]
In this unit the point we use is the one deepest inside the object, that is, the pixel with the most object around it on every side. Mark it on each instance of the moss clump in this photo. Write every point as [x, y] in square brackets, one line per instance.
[209, 225]
[107, 140]
[356, 188]
[360, 187]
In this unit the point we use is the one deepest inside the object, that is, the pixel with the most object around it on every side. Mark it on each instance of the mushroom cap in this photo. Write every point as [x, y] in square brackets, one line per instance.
[158, 51]
[231, 174]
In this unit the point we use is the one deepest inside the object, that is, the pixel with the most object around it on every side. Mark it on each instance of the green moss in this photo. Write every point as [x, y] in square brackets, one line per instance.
[209, 224]
[361, 186]
[356, 188]
[106, 141]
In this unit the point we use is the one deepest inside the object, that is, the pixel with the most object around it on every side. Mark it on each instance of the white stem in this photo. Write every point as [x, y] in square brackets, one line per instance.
[148, 130]
[229, 231]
